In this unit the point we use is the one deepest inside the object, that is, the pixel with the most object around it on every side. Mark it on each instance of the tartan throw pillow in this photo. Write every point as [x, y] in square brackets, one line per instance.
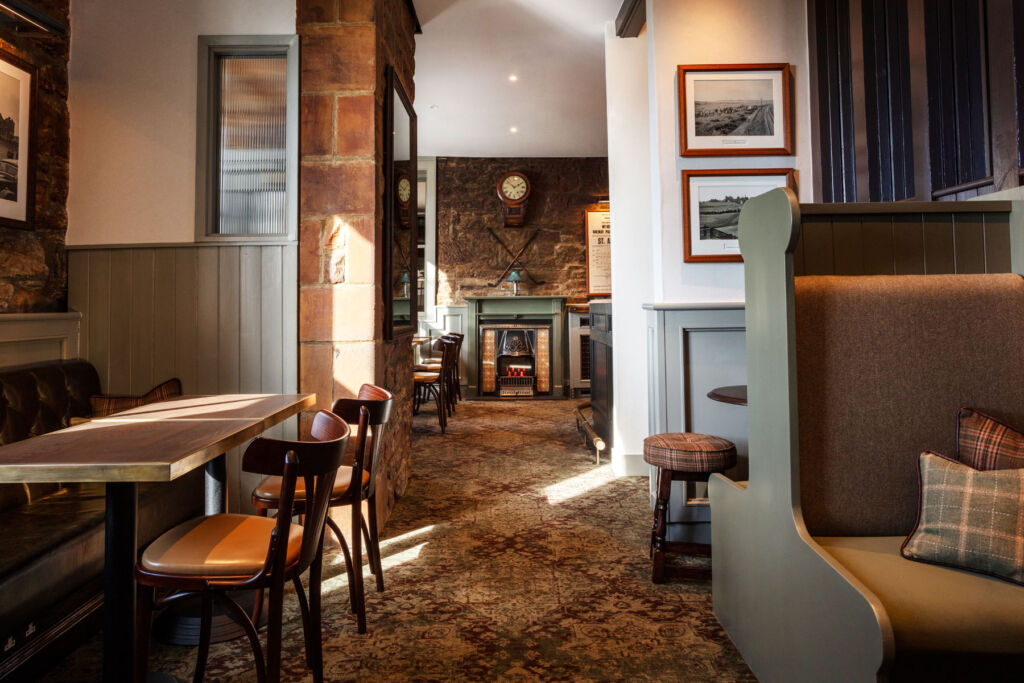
[969, 519]
[985, 443]
[103, 405]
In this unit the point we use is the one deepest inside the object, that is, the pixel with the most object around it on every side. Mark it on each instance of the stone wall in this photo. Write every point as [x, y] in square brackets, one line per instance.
[345, 47]
[33, 262]
[468, 256]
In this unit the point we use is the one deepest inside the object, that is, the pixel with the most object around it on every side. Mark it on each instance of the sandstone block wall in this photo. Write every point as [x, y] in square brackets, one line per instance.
[468, 257]
[33, 262]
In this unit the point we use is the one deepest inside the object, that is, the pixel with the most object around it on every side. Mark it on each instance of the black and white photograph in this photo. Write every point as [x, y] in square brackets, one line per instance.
[712, 201]
[734, 110]
[16, 87]
[733, 107]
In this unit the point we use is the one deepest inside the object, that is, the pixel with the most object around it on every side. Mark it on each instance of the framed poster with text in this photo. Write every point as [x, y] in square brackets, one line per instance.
[599, 253]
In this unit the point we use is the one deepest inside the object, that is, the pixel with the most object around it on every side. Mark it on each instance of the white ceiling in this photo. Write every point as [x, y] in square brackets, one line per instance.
[465, 102]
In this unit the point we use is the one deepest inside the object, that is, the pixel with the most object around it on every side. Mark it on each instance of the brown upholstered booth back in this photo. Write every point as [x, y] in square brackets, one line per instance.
[883, 364]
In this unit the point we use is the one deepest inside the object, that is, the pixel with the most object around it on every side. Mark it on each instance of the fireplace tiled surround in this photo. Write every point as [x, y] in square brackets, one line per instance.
[530, 326]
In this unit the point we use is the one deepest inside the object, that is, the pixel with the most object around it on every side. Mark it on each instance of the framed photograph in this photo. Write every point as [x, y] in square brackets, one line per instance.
[17, 141]
[599, 253]
[712, 200]
[735, 109]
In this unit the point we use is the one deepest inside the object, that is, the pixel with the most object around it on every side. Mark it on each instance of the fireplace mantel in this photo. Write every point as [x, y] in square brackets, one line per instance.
[550, 308]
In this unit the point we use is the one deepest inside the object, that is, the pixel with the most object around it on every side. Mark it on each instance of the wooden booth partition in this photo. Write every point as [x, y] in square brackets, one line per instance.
[793, 609]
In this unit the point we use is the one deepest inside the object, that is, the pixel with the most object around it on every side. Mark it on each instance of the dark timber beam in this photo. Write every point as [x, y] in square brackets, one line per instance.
[631, 18]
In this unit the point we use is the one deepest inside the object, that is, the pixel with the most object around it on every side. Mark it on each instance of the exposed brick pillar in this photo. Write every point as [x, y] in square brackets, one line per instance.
[345, 46]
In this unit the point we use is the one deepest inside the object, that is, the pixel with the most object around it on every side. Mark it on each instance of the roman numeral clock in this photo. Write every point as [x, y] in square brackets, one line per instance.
[513, 191]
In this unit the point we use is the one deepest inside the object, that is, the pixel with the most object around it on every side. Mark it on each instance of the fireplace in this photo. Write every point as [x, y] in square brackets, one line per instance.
[515, 358]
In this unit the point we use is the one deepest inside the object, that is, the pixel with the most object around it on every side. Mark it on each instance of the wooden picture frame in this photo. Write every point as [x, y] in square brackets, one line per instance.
[597, 223]
[18, 86]
[723, 188]
[720, 103]
[398, 266]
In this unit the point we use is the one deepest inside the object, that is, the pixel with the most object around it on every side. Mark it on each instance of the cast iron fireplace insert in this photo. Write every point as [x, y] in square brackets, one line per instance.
[515, 358]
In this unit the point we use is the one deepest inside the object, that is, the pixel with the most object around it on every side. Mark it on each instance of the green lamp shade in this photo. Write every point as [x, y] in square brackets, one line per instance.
[514, 276]
[405, 279]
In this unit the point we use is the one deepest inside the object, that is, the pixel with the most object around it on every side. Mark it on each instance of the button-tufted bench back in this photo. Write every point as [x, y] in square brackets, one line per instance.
[40, 398]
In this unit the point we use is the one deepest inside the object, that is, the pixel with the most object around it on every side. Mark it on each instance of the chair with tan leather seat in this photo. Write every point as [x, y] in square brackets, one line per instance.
[213, 555]
[361, 463]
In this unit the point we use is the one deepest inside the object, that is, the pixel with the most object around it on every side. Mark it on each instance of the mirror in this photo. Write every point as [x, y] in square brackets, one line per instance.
[401, 224]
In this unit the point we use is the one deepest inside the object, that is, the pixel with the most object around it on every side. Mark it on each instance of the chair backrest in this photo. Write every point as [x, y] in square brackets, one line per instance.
[377, 403]
[317, 462]
[883, 365]
[449, 356]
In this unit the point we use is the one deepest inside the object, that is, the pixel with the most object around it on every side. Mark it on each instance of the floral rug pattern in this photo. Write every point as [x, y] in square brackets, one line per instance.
[512, 557]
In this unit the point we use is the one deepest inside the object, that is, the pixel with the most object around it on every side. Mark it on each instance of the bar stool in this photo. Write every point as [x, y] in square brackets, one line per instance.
[682, 457]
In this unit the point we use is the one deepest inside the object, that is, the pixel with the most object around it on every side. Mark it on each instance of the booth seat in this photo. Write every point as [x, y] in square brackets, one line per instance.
[52, 534]
[850, 379]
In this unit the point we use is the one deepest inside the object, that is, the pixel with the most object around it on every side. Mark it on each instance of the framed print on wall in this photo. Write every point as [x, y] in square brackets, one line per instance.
[734, 110]
[17, 141]
[712, 200]
[599, 253]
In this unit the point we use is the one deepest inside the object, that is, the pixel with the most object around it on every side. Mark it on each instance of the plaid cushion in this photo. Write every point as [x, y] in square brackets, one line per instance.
[969, 519]
[686, 452]
[103, 405]
[985, 443]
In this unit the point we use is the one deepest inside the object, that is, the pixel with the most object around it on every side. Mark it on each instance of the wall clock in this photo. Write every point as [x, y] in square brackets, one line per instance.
[402, 195]
[514, 192]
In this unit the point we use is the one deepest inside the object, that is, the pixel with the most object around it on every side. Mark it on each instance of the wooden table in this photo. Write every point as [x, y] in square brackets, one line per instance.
[155, 443]
[736, 394]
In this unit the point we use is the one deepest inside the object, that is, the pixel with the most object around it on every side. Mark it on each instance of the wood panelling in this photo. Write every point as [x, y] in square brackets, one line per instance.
[221, 318]
[887, 99]
[831, 37]
[957, 95]
[897, 242]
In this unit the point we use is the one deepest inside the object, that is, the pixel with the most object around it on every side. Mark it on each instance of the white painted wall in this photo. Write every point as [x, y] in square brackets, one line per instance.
[715, 32]
[629, 180]
[133, 111]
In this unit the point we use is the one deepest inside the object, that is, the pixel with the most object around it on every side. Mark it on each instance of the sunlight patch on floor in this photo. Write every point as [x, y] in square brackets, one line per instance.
[341, 580]
[580, 484]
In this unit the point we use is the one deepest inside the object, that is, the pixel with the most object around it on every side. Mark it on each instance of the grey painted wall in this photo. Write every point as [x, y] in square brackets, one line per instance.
[223, 319]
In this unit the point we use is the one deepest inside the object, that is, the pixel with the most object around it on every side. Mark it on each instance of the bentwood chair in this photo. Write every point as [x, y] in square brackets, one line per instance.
[430, 383]
[452, 379]
[214, 555]
[359, 465]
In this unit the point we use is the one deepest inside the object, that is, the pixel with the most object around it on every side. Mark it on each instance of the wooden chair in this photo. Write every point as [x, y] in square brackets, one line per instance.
[436, 384]
[376, 402]
[211, 556]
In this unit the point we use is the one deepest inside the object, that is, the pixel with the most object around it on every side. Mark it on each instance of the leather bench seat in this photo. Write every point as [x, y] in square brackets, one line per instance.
[932, 608]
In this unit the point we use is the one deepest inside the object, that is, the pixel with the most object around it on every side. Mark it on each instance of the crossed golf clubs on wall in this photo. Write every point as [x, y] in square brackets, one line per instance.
[515, 258]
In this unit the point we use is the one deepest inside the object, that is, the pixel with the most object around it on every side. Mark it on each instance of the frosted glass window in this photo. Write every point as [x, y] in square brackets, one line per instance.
[251, 172]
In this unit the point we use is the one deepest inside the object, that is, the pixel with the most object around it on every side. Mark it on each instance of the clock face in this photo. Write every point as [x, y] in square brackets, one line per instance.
[514, 187]
[404, 190]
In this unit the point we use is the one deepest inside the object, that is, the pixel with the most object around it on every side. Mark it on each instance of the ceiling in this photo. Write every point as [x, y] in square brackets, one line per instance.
[465, 102]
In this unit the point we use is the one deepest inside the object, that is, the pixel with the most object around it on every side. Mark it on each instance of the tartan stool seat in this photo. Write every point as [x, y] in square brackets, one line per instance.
[682, 457]
[686, 452]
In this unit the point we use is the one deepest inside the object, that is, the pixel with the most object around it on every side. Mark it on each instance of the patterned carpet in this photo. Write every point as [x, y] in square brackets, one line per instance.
[512, 557]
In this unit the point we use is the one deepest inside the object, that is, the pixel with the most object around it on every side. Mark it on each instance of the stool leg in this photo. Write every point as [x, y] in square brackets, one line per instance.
[660, 526]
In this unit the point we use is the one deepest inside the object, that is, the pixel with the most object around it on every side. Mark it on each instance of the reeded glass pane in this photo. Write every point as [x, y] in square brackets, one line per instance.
[253, 129]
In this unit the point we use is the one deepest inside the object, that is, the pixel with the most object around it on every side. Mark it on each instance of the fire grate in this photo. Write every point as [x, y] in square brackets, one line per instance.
[515, 387]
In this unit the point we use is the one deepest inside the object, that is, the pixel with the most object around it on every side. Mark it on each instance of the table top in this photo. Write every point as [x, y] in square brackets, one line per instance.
[736, 394]
[156, 442]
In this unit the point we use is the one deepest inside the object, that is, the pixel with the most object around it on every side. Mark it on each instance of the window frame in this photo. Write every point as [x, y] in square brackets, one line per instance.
[207, 133]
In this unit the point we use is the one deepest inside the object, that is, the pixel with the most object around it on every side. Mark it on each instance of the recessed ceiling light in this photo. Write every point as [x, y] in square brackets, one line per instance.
[513, 78]
[513, 129]
[435, 107]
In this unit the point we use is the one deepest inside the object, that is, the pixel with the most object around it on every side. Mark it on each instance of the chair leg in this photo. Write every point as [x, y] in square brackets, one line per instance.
[316, 637]
[359, 604]
[250, 632]
[274, 623]
[373, 544]
[660, 526]
[439, 400]
[204, 638]
[300, 593]
[349, 567]
[143, 626]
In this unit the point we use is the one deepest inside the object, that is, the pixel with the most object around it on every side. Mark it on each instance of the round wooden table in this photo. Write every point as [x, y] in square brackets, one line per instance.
[736, 394]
